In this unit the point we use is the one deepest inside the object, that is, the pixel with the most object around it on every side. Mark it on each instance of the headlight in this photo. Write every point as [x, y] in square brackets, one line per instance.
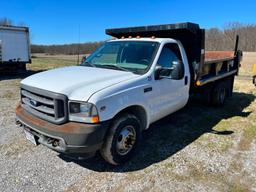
[83, 112]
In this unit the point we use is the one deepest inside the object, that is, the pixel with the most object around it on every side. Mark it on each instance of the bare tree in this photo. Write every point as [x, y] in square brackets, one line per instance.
[224, 39]
[5, 22]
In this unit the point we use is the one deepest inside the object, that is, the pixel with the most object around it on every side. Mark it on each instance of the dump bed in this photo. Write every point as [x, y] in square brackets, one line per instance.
[217, 65]
[204, 66]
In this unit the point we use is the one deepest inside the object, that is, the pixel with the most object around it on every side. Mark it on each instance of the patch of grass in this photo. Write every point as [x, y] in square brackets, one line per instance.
[222, 146]
[17, 146]
[237, 187]
[248, 137]
[251, 132]
[232, 185]
[49, 63]
[240, 181]
[249, 58]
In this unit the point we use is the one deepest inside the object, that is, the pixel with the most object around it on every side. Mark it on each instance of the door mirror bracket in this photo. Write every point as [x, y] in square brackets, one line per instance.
[163, 72]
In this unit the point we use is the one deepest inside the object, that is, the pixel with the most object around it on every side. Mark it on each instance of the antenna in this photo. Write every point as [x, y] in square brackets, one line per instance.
[78, 46]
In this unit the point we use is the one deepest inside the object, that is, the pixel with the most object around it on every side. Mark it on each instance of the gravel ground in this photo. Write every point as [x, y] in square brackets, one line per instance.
[196, 149]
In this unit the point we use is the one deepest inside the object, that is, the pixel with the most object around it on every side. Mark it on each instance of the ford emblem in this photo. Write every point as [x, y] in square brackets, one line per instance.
[33, 102]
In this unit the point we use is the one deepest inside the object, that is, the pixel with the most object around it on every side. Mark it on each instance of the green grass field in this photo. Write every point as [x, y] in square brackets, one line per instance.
[50, 63]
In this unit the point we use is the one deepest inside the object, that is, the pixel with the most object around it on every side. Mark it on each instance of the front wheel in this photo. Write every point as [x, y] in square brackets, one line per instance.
[122, 139]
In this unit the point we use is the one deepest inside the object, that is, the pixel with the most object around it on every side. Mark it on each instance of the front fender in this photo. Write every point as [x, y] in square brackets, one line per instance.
[110, 103]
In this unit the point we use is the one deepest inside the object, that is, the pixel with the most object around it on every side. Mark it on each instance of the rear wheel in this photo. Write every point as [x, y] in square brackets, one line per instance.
[219, 94]
[22, 68]
[122, 139]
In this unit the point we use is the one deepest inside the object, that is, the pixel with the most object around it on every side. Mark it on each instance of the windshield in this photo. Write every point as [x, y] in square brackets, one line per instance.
[133, 56]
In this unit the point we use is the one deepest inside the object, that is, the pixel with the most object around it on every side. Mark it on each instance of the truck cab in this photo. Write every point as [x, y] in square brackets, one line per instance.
[159, 66]
[117, 92]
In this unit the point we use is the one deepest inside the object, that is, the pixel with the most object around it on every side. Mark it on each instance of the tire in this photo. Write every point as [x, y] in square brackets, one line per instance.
[19, 69]
[22, 69]
[219, 94]
[122, 139]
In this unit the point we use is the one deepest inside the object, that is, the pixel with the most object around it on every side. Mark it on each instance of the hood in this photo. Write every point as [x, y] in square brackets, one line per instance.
[77, 82]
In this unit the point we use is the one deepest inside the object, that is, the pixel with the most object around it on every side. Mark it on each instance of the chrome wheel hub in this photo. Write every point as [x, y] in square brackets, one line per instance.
[126, 140]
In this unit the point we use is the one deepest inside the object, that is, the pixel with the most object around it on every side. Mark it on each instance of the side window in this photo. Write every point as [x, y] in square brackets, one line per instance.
[170, 57]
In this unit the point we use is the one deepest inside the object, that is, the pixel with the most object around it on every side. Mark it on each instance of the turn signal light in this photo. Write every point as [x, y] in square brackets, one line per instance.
[95, 119]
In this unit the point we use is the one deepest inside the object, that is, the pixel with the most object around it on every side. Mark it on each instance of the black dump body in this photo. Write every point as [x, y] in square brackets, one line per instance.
[192, 38]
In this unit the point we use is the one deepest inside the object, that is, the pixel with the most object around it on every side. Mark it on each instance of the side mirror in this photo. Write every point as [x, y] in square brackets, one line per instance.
[83, 59]
[163, 72]
[177, 63]
[178, 71]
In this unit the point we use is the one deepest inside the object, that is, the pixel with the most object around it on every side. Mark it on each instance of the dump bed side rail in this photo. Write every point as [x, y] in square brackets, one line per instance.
[214, 70]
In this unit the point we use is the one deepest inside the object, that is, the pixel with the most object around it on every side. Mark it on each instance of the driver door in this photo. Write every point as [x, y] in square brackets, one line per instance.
[171, 92]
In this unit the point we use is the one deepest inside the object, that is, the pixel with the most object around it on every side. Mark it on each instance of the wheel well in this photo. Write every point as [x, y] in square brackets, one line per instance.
[228, 81]
[206, 91]
[139, 112]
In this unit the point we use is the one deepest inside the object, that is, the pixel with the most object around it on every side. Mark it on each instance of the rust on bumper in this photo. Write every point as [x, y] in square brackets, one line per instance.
[69, 127]
[75, 137]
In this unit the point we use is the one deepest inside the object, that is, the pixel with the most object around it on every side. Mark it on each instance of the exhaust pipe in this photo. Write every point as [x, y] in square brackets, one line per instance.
[53, 142]
[18, 123]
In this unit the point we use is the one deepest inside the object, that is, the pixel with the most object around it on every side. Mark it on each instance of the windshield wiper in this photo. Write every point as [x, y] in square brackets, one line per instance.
[115, 67]
[90, 64]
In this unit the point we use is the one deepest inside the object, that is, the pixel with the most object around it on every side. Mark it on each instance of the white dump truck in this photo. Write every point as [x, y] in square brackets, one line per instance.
[140, 76]
[14, 48]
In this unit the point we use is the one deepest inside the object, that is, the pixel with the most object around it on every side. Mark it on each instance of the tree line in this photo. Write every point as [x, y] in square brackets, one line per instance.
[216, 39]
[68, 49]
[224, 39]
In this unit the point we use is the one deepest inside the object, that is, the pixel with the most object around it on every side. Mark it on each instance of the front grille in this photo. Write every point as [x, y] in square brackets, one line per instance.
[44, 104]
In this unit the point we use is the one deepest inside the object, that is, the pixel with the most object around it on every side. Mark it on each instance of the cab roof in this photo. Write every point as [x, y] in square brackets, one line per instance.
[149, 39]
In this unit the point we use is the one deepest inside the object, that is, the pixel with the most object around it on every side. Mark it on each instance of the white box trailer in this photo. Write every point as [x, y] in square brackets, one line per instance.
[14, 47]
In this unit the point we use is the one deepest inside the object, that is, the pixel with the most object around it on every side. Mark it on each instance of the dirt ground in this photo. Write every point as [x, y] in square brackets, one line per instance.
[199, 148]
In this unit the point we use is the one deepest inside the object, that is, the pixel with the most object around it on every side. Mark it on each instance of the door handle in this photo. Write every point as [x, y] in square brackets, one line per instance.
[148, 89]
[186, 80]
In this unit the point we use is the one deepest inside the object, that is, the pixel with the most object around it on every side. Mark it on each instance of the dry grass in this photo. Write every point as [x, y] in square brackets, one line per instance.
[249, 58]
[45, 62]
[39, 64]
